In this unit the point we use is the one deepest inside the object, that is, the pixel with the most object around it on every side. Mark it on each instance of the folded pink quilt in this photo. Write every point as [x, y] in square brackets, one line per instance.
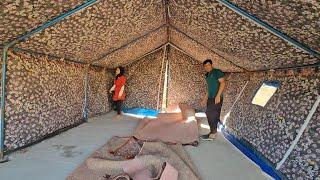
[178, 127]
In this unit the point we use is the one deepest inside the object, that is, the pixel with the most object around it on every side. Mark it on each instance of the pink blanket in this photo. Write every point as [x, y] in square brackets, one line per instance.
[177, 127]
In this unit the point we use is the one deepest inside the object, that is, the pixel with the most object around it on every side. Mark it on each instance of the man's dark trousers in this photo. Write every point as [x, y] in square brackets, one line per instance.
[213, 114]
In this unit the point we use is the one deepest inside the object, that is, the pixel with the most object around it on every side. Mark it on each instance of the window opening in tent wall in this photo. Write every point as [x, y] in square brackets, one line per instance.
[265, 92]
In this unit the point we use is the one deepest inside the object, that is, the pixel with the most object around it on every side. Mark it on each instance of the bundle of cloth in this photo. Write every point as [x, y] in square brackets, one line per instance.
[154, 152]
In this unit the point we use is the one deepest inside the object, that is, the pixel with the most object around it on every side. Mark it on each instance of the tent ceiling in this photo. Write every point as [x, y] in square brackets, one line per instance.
[98, 29]
[134, 50]
[20, 17]
[200, 52]
[220, 28]
[111, 33]
[297, 18]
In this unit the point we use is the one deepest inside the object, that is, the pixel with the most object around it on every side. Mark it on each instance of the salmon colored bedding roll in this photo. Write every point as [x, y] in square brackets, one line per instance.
[176, 127]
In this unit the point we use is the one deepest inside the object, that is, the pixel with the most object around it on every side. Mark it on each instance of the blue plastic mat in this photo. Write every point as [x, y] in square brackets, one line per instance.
[142, 112]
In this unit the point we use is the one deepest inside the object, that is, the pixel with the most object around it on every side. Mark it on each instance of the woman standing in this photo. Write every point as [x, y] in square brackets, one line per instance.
[118, 88]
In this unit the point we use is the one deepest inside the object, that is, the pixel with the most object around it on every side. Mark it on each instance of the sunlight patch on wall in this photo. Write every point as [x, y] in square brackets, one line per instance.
[265, 92]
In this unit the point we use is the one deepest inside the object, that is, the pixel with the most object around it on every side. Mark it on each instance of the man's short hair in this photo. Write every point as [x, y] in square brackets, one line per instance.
[207, 61]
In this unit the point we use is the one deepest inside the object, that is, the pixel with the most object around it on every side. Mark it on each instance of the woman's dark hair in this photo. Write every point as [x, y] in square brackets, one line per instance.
[121, 71]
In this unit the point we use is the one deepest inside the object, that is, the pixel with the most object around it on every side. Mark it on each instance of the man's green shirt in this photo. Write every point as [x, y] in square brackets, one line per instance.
[212, 79]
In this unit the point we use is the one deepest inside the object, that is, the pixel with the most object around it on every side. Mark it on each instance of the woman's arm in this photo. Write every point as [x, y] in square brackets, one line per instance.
[121, 91]
[112, 89]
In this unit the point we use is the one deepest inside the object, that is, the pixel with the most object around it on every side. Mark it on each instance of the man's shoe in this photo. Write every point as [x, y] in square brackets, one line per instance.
[208, 137]
[213, 136]
[116, 117]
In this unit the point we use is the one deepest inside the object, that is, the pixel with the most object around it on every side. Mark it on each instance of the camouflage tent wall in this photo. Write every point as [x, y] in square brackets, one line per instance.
[186, 82]
[271, 129]
[99, 82]
[145, 78]
[45, 95]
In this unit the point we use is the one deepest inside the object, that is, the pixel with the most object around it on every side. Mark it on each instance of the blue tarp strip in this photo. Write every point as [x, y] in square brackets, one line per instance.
[255, 156]
[272, 83]
[141, 111]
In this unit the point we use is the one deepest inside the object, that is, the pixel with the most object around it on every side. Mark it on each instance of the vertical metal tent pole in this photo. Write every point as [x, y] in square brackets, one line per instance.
[3, 96]
[166, 80]
[160, 77]
[85, 103]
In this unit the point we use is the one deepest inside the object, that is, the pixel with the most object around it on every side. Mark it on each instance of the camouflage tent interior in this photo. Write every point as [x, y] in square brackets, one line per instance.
[48, 73]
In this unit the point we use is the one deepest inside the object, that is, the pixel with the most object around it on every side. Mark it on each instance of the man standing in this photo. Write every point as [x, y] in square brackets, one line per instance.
[213, 97]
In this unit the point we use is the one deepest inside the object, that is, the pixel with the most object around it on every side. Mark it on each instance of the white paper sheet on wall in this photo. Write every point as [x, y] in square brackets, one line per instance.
[265, 92]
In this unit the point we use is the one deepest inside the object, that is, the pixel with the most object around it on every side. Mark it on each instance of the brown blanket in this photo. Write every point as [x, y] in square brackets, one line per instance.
[154, 152]
[152, 160]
